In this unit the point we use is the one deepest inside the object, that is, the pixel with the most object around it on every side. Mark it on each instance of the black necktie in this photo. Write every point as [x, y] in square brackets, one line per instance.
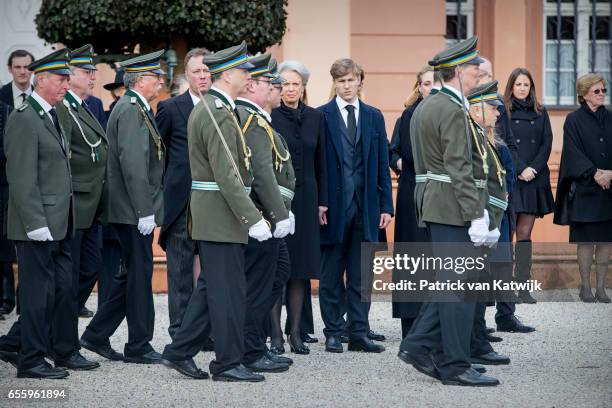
[56, 124]
[351, 123]
[236, 115]
[23, 97]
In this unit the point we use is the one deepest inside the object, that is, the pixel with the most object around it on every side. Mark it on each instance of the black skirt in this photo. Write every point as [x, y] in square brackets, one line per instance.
[537, 200]
[591, 232]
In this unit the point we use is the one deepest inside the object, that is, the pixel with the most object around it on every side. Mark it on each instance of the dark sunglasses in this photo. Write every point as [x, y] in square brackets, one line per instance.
[602, 90]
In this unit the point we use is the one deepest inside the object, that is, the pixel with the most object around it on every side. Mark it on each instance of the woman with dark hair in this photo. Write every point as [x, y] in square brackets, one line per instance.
[303, 128]
[584, 197]
[406, 226]
[532, 193]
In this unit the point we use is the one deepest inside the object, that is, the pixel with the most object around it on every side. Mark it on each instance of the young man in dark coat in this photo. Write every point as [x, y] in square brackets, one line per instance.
[360, 203]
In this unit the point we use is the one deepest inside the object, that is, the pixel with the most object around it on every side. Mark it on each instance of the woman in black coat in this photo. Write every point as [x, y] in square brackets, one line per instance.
[406, 226]
[584, 197]
[7, 249]
[532, 193]
[303, 128]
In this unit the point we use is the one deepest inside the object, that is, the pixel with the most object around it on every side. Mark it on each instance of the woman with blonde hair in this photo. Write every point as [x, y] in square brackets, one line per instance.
[584, 197]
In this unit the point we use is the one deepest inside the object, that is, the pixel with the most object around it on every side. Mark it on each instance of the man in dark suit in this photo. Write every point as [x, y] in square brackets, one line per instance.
[15, 92]
[172, 116]
[360, 203]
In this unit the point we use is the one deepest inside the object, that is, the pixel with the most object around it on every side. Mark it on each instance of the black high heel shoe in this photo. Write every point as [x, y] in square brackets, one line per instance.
[277, 349]
[303, 349]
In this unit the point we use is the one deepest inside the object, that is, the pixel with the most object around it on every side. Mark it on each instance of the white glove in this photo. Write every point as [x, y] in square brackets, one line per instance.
[292, 219]
[479, 228]
[40, 234]
[146, 225]
[282, 228]
[260, 231]
[492, 238]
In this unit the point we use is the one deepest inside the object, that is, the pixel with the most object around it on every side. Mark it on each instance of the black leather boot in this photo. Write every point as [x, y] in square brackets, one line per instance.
[522, 268]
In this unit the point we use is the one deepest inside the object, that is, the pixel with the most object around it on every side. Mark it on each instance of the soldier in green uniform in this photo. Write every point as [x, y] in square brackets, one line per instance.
[134, 177]
[271, 192]
[222, 217]
[451, 163]
[41, 223]
[484, 101]
[88, 152]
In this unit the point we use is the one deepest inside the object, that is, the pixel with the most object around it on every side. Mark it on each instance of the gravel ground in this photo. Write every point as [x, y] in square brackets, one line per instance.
[565, 363]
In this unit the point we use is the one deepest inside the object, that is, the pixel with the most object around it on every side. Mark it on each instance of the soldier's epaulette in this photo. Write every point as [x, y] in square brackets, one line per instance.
[22, 107]
[250, 110]
[218, 103]
[133, 100]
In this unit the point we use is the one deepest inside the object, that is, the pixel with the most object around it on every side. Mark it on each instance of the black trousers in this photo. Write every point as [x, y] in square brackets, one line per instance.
[335, 260]
[479, 345]
[444, 328]
[180, 250]
[86, 262]
[260, 260]
[7, 286]
[218, 302]
[281, 277]
[505, 310]
[130, 297]
[111, 263]
[47, 303]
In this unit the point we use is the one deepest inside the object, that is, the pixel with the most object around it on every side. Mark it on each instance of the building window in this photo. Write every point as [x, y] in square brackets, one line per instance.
[575, 31]
[459, 20]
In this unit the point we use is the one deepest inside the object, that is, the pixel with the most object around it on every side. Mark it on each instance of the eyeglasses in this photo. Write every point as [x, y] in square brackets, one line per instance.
[602, 90]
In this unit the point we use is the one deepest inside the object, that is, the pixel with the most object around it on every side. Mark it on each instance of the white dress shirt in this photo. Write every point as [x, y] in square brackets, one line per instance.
[43, 104]
[456, 92]
[142, 98]
[259, 109]
[230, 100]
[76, 97]
[17, 99]
[194, 98]
[342, 104]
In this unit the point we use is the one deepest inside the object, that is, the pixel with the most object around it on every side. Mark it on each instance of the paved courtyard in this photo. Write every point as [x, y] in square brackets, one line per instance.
[567, 362]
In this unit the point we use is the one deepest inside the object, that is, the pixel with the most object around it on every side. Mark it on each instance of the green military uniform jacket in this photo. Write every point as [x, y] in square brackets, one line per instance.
[38, 173]
[88, 163]
[273, 176]
[220, 207]
[135, 168]
[449, 167]
[496, 185]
